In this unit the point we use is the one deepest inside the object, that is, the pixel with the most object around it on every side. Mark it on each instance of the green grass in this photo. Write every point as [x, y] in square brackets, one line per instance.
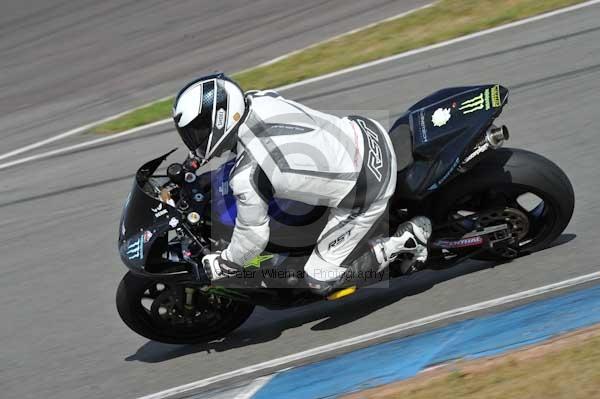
[445, 20]
[570, 373]
[138, 117]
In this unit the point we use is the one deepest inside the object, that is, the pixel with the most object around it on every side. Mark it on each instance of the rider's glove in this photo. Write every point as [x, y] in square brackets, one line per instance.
[217, 268]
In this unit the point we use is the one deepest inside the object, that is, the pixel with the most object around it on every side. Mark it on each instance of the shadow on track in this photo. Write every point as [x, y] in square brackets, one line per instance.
[267, 325]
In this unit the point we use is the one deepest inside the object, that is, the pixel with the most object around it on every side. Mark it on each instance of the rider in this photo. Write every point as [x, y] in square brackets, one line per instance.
[287, 150]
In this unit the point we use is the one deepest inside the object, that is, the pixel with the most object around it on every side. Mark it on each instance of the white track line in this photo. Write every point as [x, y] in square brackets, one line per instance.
[375, 335]
[73, 132]
[86, 144]
[286, 87]
[254, 387]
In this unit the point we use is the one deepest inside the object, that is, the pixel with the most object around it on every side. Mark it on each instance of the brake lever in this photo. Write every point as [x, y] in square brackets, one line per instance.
[188, 256]
[191, 235]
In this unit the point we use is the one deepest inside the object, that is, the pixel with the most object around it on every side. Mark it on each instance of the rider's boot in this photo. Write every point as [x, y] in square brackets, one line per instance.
[411, 237]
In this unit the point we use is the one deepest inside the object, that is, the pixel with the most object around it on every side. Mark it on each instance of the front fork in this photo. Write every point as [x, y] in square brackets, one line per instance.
[188, 303]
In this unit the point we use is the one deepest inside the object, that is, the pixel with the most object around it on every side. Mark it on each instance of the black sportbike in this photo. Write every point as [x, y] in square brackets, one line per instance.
[486, 202]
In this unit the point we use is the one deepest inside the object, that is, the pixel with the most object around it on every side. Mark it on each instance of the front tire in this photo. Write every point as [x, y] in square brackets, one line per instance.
[500, 180]
[212, 318]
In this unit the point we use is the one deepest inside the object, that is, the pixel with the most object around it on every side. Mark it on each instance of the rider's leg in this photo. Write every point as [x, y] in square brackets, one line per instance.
[345, 230]
[341, 249]
[326, 271]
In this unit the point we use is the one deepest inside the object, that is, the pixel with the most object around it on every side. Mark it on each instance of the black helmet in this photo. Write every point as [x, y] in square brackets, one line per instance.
[206, 113]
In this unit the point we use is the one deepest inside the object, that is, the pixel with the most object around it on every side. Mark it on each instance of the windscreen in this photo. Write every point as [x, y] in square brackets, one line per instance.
[144, 218]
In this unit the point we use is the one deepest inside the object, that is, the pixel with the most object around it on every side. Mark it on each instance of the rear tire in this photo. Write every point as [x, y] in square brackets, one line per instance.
[514, 170]
[138, 318]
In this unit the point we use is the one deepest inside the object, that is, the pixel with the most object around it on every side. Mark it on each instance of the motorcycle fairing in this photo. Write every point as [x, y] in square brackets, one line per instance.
[444, 128]
[144, 219]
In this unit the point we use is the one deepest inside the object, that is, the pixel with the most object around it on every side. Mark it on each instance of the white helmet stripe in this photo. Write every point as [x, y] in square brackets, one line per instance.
[219, 131]
[200, 102]
[209, 145]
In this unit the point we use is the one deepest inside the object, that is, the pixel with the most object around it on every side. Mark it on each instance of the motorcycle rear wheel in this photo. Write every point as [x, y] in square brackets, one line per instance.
[521, 181]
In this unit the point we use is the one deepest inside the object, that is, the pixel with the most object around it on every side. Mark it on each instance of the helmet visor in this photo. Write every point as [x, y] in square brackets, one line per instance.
[196, 134]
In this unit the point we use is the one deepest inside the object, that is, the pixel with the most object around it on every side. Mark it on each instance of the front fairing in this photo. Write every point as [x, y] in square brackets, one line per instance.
[145, 218]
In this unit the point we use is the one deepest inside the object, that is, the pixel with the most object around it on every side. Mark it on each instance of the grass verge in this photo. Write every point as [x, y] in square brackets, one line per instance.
[566, 367]
[445, 20]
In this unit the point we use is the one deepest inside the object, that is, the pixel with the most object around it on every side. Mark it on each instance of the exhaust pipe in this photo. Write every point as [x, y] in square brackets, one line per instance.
[496, 136]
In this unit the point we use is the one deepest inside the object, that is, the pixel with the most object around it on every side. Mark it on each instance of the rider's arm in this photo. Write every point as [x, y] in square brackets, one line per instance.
[251, 233]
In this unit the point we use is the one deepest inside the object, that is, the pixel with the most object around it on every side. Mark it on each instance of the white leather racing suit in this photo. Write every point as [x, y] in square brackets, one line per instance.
[287, 150]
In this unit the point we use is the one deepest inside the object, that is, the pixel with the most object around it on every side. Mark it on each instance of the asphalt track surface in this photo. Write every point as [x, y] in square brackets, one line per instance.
[66, 63]
[61, 336]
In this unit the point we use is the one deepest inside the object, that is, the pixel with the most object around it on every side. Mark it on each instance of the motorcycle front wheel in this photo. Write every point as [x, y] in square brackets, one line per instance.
[159, 311]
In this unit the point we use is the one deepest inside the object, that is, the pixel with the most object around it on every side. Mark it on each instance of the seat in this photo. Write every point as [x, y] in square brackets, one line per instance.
[411, 171]
[401, 137]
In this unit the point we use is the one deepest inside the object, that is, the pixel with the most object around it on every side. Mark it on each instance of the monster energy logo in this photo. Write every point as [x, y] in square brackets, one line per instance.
[135, 250]
[496, 102]
[485, 100]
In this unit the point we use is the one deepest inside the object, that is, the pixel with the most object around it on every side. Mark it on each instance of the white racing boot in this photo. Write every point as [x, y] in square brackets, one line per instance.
[411, 237]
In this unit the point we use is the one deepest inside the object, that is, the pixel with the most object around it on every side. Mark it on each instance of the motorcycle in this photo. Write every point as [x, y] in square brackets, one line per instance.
[485, 202]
